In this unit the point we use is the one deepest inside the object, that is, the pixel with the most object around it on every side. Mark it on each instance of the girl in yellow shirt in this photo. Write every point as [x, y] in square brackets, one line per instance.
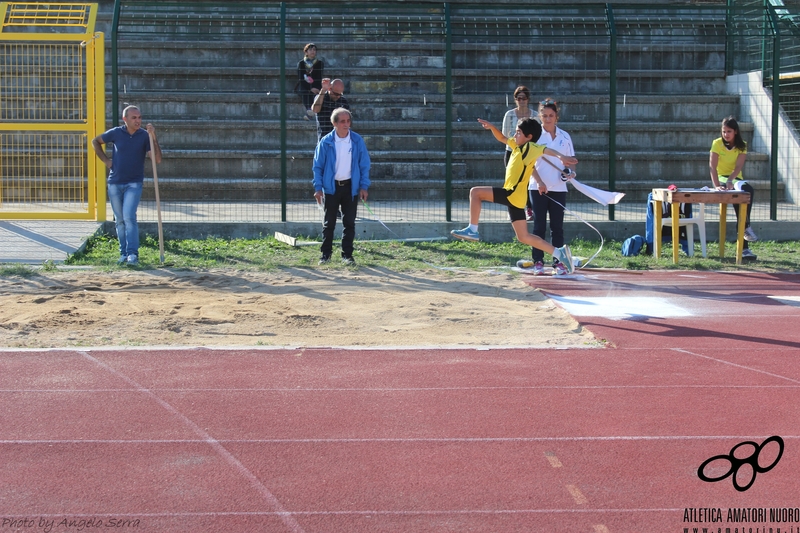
[727, 157]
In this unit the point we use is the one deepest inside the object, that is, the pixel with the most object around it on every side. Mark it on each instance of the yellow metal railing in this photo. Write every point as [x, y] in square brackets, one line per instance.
[50, 15]
[52, 104]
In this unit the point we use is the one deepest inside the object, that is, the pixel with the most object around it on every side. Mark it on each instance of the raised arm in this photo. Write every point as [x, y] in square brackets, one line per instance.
[316, 107]
[497, 133]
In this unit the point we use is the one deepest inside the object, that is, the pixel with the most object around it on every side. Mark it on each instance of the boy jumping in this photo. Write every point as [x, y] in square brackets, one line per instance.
[514, 193]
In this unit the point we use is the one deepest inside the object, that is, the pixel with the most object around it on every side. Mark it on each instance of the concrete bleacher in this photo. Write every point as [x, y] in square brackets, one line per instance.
[216, 100]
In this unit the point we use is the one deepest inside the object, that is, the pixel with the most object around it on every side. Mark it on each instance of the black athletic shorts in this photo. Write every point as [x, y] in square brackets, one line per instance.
[500, 196]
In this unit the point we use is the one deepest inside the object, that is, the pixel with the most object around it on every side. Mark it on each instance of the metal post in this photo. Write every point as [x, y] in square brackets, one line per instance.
[92, 90]
[729, 32]
[114, 59]
[448, 116]
[776, 108]
[612, 106]
[99, 124]
[283, 112]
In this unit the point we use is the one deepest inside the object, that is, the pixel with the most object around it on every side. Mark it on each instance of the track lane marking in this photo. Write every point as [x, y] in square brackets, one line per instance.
[227, 456]
[399, 440]
[736, 365]
[553, 460]
[577, 495]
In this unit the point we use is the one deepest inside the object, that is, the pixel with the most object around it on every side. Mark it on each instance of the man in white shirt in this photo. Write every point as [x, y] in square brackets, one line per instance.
[341, 177]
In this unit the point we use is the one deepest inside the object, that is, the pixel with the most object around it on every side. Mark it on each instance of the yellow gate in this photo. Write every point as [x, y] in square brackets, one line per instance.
[52, 104]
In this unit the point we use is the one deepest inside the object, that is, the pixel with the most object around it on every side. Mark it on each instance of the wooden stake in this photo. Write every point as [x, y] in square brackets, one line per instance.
[158, 199]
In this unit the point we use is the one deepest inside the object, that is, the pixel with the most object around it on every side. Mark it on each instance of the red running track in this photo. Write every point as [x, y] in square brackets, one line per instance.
[517, 440]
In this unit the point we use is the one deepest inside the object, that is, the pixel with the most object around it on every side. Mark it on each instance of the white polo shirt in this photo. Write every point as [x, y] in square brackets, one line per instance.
[550, 175]
[344, 157]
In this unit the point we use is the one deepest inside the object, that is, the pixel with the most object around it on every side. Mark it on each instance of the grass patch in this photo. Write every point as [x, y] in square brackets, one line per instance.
[267, 253]
[21, 271]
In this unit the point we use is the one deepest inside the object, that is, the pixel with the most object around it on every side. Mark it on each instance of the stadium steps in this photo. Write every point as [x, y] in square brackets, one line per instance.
[215, 101]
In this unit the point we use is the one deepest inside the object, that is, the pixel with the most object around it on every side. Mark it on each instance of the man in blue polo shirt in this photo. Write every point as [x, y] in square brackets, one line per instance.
[126, 176]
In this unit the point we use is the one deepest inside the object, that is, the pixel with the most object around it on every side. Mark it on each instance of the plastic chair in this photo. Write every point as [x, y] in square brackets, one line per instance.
[700, 220]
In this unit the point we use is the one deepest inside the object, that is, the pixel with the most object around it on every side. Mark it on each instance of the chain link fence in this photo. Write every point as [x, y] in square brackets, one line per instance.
[642, 91]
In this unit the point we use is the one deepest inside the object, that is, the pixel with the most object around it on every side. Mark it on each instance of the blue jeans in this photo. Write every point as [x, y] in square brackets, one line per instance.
[649, 223]
[124, 198]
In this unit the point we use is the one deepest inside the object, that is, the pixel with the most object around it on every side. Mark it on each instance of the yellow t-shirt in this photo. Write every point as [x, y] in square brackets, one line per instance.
[727, 160]
[519, 170]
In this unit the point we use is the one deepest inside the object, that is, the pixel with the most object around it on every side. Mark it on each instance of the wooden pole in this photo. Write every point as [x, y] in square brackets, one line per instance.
[158, 199]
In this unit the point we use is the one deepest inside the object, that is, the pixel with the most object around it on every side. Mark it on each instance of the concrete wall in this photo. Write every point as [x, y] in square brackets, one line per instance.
[490, 231]
[756, 107]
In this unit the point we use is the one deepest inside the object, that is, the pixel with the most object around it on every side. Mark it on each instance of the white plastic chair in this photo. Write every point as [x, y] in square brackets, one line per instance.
[700, 220]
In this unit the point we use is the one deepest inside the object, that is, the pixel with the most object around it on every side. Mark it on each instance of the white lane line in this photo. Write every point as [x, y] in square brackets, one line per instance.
[270, 498]
[399, 440]
[411, 389]
[736, 365]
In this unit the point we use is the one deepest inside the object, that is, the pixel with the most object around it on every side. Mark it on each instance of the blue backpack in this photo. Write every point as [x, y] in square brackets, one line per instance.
[632, 246]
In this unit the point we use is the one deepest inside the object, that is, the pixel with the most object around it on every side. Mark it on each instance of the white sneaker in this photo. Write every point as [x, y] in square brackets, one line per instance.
[750, 235]
[538, 268]
[748, 254]
[133, 260]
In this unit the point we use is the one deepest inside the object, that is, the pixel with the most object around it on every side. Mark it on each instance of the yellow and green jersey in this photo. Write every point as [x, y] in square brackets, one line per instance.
[727, 160]
[519, 170]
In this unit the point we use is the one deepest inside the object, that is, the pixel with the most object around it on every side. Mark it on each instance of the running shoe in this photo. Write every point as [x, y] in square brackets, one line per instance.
[564, 256]
[349, 261]
[524, 263]
[748, 255]
[559, 269]
[538, 268]
[132, 260]
[750, 235]
[122, 260]
[465, 234]
[324, 259]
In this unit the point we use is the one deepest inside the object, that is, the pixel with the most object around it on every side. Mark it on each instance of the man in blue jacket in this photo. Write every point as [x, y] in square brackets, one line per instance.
[341, 177]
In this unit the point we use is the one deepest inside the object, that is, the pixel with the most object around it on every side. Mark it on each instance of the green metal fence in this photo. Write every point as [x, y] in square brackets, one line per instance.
[642, 92]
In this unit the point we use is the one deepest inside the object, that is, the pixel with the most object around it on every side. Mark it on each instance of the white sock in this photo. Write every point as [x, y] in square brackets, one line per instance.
[473, 227]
